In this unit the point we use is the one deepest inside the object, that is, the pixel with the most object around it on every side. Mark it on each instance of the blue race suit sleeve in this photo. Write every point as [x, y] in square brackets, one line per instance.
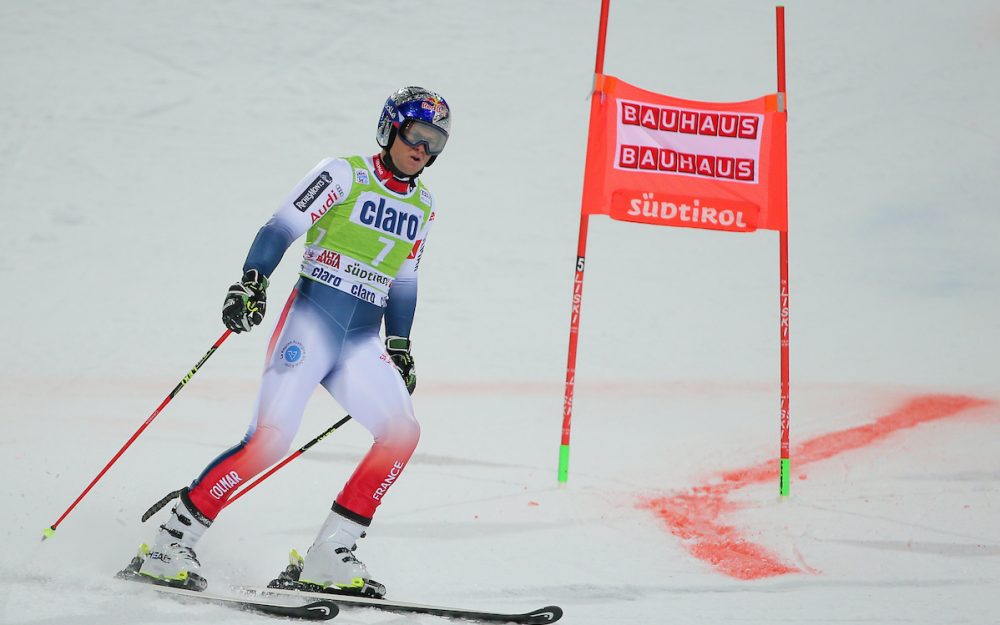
[269, 246]
[402, 305]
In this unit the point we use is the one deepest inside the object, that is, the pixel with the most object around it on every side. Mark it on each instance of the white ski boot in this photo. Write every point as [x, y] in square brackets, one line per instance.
[171, 560]
[330, 564]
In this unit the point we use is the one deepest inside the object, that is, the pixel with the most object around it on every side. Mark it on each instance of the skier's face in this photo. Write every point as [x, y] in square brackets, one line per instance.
[408, 159]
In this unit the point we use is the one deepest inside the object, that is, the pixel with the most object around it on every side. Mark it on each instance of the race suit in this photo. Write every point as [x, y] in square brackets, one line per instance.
[365, 234]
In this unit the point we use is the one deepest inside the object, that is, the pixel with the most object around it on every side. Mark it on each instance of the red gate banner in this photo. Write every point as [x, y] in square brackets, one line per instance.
[656, 159]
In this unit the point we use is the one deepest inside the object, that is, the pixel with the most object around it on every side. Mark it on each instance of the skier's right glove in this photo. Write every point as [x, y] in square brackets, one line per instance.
[245, 302]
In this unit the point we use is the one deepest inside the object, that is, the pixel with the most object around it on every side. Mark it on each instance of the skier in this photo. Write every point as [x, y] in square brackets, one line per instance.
[366, 221]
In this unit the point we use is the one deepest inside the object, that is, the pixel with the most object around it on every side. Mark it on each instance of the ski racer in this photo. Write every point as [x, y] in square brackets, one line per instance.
[366, 221]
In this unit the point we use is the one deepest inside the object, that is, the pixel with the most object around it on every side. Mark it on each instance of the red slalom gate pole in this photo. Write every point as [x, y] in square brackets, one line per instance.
[784, 481]
[581, 255]
[50, 531]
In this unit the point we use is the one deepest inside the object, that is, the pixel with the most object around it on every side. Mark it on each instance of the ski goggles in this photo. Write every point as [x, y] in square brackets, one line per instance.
[414, 132]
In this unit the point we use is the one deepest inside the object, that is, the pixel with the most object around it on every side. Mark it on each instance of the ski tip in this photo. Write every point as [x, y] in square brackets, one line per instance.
[48, 532]
[322, 610]
[548, 614]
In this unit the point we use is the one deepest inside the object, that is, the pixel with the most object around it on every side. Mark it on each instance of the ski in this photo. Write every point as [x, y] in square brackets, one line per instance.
[541, 616]
[317, 610]
[320, 609]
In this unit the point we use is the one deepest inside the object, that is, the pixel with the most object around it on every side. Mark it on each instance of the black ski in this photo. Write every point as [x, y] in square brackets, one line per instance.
[321, 609]
[318, 610]
[541, 616]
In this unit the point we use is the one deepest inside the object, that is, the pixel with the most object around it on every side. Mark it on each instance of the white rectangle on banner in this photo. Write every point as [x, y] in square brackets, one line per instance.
[688, 142]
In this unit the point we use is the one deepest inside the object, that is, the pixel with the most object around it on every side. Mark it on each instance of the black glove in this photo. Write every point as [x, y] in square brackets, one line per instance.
[245, 302]
[398, 349]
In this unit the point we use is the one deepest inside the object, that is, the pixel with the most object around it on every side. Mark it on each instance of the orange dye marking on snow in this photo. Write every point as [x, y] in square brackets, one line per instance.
[693, 516]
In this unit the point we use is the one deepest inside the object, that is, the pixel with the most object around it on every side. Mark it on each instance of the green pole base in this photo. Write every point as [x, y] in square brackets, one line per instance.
[784, 480]
[563, 463]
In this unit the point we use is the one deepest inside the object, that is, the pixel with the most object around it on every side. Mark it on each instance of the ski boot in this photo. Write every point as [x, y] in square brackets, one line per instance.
[330, 565]
[171, 561]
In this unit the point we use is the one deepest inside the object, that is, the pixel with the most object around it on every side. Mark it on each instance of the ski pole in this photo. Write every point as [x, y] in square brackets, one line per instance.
[292, 456]
[50, 531]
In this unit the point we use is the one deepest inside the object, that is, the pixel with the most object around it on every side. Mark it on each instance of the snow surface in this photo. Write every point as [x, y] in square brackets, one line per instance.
[143, 144]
